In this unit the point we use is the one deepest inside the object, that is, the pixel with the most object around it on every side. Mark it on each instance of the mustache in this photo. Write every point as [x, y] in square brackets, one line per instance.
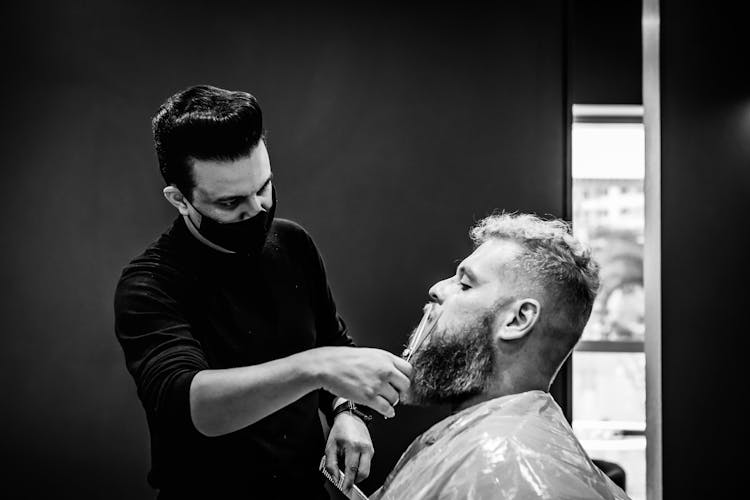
[430, 316]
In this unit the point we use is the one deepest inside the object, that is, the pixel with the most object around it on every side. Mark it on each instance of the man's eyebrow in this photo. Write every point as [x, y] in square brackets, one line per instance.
[466, 271]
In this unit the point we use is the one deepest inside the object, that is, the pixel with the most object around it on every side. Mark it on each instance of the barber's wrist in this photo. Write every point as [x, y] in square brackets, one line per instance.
[308, 363]
[349, 408]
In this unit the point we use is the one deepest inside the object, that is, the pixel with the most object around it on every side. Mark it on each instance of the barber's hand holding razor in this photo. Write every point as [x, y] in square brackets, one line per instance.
[371, 377]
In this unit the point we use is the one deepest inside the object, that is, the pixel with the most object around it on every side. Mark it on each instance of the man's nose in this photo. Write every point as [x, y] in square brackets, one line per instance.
[438, 291]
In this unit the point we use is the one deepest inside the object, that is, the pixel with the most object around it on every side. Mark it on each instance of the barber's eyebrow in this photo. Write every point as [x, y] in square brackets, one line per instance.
[239, 196]
[268, 181]
[228, 198]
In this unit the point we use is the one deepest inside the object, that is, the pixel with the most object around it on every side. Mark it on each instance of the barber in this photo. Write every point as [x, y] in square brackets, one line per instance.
[229, 327]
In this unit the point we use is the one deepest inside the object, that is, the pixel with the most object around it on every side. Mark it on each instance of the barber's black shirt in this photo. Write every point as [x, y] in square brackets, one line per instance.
[182, 307]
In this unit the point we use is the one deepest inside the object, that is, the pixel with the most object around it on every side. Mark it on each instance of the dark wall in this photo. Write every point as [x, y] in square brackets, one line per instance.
[391, 130]
[705, 140]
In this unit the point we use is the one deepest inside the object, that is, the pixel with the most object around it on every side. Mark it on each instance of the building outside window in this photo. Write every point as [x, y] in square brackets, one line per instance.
[609, 389]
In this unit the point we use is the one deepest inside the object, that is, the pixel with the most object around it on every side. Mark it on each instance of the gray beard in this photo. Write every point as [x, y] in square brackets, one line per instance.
[454, 365]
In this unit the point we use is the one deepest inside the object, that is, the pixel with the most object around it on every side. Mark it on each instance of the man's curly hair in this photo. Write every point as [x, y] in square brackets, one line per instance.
[555, 263]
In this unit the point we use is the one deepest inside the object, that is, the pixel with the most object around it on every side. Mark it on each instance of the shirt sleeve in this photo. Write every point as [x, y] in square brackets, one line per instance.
[160, 352]
[330, 326]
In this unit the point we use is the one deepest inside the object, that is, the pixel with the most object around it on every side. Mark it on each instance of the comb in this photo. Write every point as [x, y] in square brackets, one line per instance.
[354, 494]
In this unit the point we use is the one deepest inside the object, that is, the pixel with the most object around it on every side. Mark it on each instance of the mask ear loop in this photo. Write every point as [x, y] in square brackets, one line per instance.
[424, 330]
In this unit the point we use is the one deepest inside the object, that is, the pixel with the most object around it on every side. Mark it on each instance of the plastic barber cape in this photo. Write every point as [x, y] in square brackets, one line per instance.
[513, 447]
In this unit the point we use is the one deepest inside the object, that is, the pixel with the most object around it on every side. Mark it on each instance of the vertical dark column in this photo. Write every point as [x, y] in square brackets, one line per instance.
[562, 387]
[604, 41]
[705, 144]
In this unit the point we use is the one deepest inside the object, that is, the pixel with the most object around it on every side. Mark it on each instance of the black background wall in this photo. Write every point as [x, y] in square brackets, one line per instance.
[391, 130]
[705, 140]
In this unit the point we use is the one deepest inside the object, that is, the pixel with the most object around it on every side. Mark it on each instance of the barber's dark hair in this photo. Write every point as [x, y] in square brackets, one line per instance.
[204, 123]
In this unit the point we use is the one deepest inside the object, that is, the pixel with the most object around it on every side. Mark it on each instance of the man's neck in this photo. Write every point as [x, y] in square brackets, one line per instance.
[505, 385]
[472, 401]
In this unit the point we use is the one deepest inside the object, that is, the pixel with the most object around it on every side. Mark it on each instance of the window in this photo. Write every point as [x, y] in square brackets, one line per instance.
[609, 393]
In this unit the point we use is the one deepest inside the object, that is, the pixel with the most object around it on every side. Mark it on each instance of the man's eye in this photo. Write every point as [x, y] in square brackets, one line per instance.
[464, 286]
[228, 204]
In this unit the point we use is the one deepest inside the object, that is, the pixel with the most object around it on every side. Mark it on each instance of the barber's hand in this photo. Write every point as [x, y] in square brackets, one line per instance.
[371, 377]
[349, 449]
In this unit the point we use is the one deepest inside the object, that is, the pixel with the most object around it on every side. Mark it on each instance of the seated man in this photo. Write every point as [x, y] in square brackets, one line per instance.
[505, 323]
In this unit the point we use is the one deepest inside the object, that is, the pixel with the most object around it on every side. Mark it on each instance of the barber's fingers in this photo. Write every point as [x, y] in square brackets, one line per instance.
[402, 365]
[351, 466]
[332, 465]
[390, 394]
[382, 406]
[364, 465]
[399, 381]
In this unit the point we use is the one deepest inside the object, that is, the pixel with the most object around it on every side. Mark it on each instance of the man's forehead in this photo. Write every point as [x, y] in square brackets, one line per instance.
[490, 258]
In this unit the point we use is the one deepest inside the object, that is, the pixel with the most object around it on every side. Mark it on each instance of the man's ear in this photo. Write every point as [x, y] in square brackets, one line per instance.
[175, 197]
[519, 319]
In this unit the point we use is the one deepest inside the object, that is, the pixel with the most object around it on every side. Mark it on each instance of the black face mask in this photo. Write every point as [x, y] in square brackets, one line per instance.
[245, 237]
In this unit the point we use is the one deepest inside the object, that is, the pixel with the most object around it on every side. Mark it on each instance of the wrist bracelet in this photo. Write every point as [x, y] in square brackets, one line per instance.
[349, 407]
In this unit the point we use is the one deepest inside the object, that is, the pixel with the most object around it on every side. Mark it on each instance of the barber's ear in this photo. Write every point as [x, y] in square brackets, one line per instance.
[175, 197]
[519, 319]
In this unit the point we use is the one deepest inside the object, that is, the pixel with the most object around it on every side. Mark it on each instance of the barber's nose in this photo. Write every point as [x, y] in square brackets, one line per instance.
[251, 208]
[256, 204]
